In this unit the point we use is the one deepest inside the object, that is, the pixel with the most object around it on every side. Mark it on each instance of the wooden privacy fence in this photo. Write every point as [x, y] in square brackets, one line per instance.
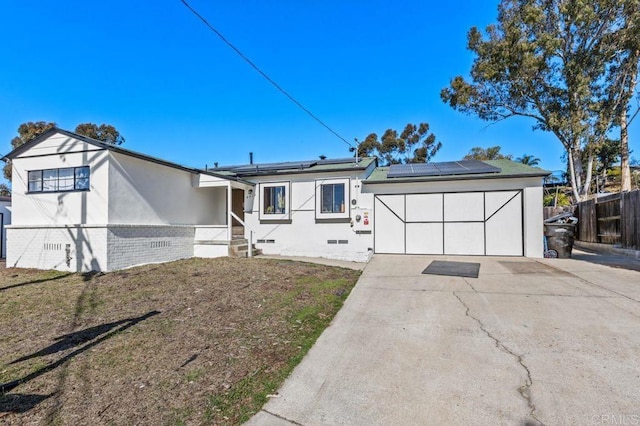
[613, 219]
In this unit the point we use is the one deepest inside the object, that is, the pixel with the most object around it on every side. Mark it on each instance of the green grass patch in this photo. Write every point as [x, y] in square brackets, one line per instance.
[323, 299]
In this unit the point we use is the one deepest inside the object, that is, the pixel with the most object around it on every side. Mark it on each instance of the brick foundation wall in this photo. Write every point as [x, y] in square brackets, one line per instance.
[96, 248]
[64, 248]
[130, 245]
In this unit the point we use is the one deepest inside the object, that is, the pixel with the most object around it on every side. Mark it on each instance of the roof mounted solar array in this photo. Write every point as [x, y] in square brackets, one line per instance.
[350, 160]
[445, 168]
[271, 167]
[253, 169]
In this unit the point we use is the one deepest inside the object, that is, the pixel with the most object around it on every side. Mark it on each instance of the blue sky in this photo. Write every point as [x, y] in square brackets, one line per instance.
[175, 91]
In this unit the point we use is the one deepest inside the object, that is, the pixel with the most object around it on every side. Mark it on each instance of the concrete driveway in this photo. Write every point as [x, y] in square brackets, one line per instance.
[545, 341]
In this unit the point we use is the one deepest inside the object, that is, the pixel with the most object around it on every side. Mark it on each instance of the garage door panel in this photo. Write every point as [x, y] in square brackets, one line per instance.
[464, 206]
[464, 238]
[424, 238]
[395, 203]
[504, 230]
[424, 208]
[388, 229]
[495, 200]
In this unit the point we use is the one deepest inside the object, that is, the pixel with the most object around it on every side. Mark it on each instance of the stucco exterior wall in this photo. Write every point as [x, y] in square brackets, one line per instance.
[61, 145]
[210, 250]
[61, 208]
[533, 222]
[141, 192]
[303, 234]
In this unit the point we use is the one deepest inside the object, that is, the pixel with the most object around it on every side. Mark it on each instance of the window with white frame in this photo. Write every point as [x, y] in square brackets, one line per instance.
[59, 180]
[274, 201]
[332, 198]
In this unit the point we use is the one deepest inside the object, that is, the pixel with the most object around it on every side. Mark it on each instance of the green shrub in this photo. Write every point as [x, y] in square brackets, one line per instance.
[563, 200]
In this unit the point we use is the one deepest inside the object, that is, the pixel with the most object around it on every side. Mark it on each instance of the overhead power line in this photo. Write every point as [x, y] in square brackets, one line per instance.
[262, 73]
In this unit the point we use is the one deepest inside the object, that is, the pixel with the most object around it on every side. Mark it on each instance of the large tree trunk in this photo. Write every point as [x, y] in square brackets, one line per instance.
[572, 174]
[577, 166]
[587, 180]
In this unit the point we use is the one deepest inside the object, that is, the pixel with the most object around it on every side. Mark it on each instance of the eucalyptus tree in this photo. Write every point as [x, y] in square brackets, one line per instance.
[490, 153]
[104, 132]
[624, 78]
[555, 62]
[415, 144]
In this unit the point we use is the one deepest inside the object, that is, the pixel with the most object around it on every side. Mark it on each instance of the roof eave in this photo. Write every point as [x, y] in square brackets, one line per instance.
[221, 176]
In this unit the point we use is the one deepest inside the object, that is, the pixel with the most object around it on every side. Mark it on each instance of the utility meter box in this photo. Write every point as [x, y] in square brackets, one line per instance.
[362, 219]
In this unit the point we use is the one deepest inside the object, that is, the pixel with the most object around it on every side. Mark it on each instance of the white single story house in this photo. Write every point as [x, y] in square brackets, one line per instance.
[5, 219]
[80, 204]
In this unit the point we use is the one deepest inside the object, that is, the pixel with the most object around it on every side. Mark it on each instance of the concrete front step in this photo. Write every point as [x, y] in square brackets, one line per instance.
[244, 253]
[240, 248]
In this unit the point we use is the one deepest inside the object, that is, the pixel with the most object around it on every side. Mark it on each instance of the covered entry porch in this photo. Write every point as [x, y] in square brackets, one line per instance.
[228, 233]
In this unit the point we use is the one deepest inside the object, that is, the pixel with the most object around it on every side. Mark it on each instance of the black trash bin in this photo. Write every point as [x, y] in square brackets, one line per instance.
[560, 237]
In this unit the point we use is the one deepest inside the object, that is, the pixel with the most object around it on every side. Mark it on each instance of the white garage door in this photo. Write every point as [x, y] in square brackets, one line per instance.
[466, 223]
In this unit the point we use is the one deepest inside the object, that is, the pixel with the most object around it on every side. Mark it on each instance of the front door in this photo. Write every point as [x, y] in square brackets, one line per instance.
[237, 205]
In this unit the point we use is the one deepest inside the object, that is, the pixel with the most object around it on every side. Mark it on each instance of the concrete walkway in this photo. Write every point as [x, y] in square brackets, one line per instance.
[546, 341]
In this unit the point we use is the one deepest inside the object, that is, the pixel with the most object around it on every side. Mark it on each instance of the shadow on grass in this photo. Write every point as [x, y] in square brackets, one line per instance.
[44, 280]
[88, 276]
[20, 403]
[68, 341]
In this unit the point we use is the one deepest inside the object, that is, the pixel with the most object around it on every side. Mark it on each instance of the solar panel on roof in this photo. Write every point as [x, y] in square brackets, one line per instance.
[445, 168]
[442, 164]
[477, 166]
[428, 169]
[419, 169]
[451, 168]
[337, 161]
[287, 165]
[251, 169]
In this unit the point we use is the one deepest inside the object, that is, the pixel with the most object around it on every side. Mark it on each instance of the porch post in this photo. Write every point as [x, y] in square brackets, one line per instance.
[229, 217]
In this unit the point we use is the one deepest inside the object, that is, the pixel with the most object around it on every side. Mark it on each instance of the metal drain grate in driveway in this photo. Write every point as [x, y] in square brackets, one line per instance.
[453, 269]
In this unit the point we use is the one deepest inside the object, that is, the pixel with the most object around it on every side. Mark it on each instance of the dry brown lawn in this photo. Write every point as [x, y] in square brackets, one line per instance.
[200, 341]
